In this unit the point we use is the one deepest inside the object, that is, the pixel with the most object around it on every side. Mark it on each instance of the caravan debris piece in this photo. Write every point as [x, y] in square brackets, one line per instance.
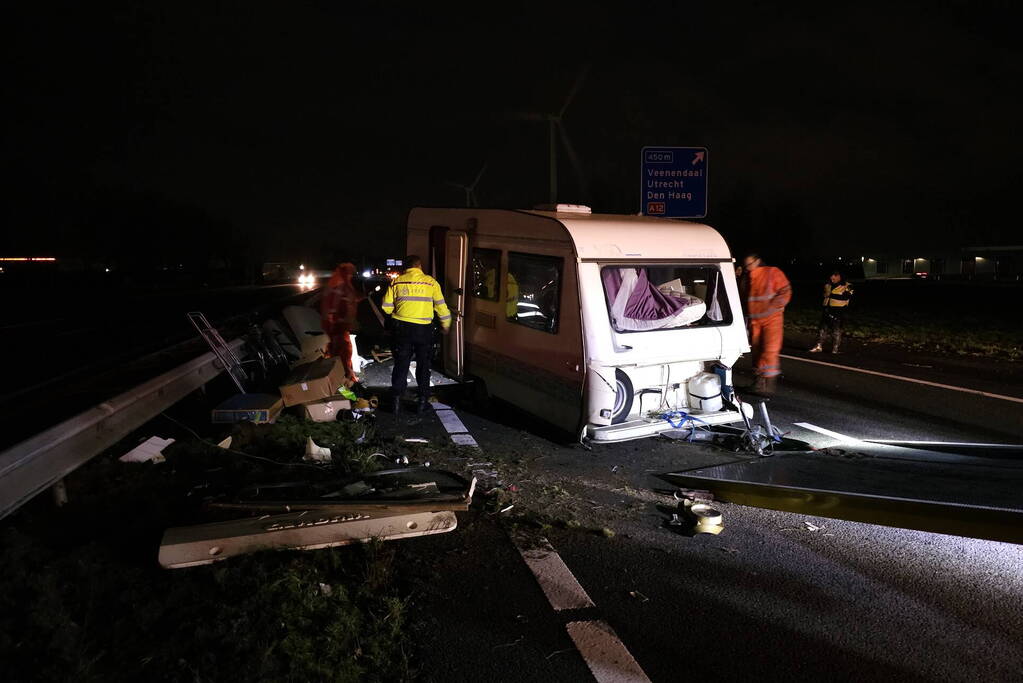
[307, 330]
[256, 408]
[315, 453]
[150, 450]
[897, 486]
[207, 543]
[382, 490]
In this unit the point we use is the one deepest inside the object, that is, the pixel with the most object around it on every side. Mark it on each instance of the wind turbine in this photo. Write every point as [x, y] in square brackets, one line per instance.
[556, 129]
[470, 190]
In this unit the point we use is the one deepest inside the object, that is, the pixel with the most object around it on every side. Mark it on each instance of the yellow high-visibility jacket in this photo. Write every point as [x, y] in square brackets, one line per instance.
[837, 296]
[413, 297]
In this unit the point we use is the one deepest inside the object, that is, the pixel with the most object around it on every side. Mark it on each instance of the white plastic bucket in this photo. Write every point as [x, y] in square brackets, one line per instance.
[705, 393]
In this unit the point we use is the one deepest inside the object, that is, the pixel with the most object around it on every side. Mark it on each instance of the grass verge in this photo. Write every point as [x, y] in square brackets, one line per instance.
[82, 597]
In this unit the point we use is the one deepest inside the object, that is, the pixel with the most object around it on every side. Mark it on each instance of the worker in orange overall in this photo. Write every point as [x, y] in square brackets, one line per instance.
[767, 292]
[338, 306]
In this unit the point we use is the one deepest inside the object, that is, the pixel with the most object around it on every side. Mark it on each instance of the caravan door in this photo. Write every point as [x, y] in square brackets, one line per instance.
[456, 250]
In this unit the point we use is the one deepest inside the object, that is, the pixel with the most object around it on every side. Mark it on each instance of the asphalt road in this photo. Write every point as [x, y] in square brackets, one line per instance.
[775, 596]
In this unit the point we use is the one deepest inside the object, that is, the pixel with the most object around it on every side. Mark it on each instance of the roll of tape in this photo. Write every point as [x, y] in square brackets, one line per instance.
[708, 520]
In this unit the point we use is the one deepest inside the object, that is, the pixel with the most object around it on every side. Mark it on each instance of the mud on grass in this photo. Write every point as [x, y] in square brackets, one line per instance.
[82, 597]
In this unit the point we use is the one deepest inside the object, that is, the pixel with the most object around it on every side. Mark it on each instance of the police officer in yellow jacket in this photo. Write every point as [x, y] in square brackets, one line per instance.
[837, 295]
[411, 301]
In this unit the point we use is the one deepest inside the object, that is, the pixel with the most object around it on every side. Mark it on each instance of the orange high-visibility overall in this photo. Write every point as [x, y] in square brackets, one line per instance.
[338, 307]
[769, 292]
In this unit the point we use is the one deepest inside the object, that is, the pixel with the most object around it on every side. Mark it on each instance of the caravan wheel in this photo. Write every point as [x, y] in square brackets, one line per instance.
[623, 397]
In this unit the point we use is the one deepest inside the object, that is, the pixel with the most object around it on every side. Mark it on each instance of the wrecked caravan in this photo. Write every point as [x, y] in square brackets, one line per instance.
[595, 323]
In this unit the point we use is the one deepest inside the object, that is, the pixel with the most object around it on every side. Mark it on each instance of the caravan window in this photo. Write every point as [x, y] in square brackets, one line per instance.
[484, 267]
[533, 291]
[665, 297]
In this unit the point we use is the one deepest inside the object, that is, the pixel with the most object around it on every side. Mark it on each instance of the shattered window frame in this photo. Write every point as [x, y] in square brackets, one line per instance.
[542, 317]
[721, 294]
[479, 282]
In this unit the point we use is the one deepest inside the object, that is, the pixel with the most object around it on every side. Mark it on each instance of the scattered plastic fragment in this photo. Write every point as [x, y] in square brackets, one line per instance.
[638, 596]
[226, 443]
[505, 509]
[314, 453]
[149, 450]
[809, 526]
[417, 440]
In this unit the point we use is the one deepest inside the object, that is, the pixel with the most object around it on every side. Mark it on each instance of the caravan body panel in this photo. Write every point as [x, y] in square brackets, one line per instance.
[541, 326]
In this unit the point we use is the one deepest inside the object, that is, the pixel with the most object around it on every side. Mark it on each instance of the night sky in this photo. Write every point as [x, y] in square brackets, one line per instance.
[306, 130]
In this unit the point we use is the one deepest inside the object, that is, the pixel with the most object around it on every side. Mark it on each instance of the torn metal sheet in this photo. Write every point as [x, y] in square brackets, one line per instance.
[370, 508]
[377, 494]
[894, 486]
[207, 543]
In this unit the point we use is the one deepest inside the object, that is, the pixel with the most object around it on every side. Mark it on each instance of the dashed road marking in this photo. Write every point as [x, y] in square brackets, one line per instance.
[825, 432]
[451, 421]
[560, 586]
[606, 655]
[964, 390]
[464, 440]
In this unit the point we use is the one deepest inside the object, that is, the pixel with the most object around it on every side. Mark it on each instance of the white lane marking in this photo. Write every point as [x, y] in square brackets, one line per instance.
[451, 421]
[825, 432]
[560, 586]
[464, 440]
[606, 655]
[1005, 446]
[977, 392]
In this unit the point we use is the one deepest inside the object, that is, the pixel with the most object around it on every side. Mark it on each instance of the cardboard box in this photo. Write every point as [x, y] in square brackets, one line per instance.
[312, 381]
[258, 408]
[327, 409]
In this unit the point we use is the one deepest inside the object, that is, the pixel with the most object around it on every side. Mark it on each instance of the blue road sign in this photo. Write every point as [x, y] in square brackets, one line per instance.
[674, 182]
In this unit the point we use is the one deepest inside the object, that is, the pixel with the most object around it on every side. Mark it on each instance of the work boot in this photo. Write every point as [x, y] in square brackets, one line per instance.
[763, 387]
[421, 405]
[817, 349]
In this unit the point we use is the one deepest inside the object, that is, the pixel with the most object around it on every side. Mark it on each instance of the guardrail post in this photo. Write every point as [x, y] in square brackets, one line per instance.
[59, 493]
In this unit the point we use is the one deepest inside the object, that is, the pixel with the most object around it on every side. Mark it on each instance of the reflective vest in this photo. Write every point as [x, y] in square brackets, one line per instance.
[413, 297]
[769, 292]
[837, 296]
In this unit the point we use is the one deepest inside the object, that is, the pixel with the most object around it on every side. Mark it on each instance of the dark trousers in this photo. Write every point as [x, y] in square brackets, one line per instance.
[411, 339]
[831, 326]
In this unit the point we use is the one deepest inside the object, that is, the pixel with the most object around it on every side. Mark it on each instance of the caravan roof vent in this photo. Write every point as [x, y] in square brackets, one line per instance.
[564, 208]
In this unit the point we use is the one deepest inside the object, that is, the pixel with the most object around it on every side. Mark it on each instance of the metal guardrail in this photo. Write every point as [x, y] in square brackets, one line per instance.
[36, 464]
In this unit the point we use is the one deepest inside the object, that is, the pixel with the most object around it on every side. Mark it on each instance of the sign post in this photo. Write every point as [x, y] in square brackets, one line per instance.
[674, 182]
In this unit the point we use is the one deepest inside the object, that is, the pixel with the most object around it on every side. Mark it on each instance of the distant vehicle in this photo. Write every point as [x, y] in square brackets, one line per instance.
[309, 277]
[594, 323]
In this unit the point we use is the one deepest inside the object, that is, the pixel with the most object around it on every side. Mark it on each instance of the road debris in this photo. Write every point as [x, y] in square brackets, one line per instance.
[638, 596]
[150, 450]
[306, 530]
[315, 453]
[388, 504]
